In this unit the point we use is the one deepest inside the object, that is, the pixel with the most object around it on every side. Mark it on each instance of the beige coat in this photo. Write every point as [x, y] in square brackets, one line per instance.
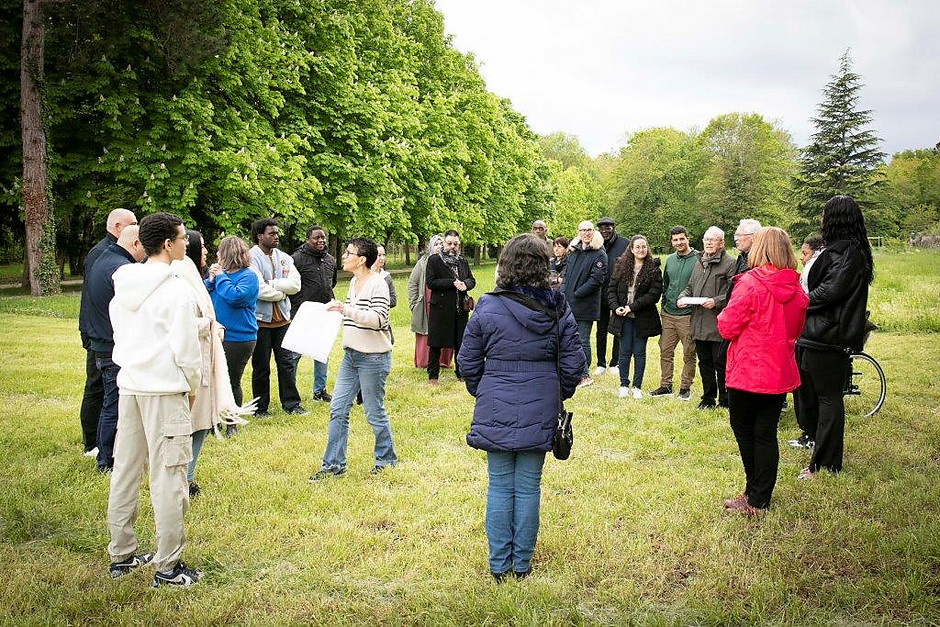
[214, 404]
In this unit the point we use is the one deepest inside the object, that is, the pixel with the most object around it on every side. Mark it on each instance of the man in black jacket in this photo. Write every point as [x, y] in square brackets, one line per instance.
[614, 246]
[584, 277]
[100, 290]
[94, 391]
[317, 270]
[449, 278]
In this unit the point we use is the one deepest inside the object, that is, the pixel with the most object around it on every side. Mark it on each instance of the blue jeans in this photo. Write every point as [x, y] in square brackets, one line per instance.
[512, 508]
[198, 438]
[108, 418]
[584, 330]
[365, 371]
[631, 346]
[319, 373]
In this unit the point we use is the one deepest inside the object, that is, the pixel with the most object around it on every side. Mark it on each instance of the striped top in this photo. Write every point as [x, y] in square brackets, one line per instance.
[365, 316]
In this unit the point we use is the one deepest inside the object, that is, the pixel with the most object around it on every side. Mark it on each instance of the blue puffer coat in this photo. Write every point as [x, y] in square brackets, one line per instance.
[508, 360]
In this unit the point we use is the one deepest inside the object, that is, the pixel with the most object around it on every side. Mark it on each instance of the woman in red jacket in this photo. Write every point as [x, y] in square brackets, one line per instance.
[762, 321]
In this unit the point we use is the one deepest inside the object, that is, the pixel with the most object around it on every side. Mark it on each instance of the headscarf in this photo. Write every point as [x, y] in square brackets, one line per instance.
[437, 237]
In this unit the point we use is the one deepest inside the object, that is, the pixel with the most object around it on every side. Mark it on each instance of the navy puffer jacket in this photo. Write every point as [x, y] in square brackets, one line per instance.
[508, 360]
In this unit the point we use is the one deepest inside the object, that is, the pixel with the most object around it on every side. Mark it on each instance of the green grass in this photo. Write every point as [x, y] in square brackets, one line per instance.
[632, 528]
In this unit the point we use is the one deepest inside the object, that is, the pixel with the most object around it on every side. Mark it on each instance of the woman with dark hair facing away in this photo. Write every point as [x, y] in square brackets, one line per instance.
[835, 326]
[558, 263]
[761, 321]
[635, 287]
[234, 286]
[521, 350]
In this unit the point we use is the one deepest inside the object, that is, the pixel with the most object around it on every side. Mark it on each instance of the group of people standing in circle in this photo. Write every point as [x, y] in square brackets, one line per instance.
[758, 329]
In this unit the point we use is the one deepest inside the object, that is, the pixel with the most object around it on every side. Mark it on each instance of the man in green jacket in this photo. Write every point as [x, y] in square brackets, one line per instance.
[677, 326]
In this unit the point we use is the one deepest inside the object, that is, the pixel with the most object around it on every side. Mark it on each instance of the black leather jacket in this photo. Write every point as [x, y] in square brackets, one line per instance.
[838, 297]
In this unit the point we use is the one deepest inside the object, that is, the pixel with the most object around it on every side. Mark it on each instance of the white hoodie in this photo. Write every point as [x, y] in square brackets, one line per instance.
[155, 337]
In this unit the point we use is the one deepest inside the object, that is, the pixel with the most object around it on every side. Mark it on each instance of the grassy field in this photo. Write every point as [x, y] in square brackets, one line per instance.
[632, 526]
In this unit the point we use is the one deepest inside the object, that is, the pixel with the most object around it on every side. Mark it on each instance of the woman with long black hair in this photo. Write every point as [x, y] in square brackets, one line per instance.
[835, 327]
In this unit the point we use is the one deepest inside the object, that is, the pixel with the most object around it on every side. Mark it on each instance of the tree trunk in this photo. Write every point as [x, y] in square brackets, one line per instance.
[40, 233]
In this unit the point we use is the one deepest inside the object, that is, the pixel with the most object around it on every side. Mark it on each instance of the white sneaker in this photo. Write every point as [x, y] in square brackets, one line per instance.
[599, 371]
[586, 381]
[614, 370]
[637, 393]
[624, 392]
[92, 453]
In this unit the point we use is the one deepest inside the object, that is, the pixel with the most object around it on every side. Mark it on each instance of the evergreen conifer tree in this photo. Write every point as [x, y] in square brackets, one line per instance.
[843, 153]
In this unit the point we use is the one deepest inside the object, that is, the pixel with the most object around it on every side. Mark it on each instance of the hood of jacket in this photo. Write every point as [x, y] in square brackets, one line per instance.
[135, 282]
[597, 243]
[783, 285]
[534, 313]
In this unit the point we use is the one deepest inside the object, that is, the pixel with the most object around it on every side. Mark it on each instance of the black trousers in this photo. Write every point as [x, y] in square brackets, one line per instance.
[754, 419]
[601, 337]
[237, 355]
[823, 375]
[269, 340]
[805, 403]
[92, 399]
[434, 360]
[711, 365]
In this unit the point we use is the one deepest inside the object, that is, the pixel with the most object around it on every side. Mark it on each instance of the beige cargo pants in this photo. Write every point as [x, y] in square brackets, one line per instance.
[153, 431]
[676, 329]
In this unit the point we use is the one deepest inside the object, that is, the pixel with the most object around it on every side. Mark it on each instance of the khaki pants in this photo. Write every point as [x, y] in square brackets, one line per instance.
[676, 329]
[153, 431]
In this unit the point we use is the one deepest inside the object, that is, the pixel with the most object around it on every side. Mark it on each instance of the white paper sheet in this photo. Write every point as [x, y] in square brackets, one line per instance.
[313, 331]
[691, 300]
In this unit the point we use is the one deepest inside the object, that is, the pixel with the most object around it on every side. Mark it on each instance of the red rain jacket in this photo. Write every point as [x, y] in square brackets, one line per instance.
[762, 321]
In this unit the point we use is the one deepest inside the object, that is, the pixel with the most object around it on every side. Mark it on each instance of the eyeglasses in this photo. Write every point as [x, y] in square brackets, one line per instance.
[740, 235]
[713, 240]
[585, 230]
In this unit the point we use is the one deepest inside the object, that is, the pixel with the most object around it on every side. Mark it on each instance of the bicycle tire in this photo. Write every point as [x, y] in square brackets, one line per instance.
[866, 387]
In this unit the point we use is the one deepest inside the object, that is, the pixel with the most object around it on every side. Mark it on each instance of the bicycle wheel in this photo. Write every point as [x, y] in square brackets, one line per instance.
[866, 388]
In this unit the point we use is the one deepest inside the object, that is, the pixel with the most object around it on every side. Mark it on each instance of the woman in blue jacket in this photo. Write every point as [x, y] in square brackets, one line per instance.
[234, 286]
[521, 337]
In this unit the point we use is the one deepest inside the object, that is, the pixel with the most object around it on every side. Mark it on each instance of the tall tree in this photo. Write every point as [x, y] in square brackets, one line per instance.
[844, 153]
[751, 163]
[40, 228]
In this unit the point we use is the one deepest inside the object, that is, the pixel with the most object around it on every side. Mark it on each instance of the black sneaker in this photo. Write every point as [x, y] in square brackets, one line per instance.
[685, 394]
[263, 414]
[325, 474]
[322, 396]
[231, 430]
[297, 411]
[706, 405]
[119, 569]
[179, 577]
[378, 469]
[661, 391]
[194, 489]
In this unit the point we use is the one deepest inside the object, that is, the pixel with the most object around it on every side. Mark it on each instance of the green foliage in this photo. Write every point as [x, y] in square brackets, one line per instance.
[565, 149]
[749, 169]
[910, 195]
[843, 155]
[359, 116]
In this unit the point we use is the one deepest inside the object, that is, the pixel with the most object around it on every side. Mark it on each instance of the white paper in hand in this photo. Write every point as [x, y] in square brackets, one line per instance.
[313, 331]
[686, 301]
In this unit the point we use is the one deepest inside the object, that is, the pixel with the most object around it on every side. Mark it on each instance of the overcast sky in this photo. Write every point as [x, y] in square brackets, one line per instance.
[601, 69]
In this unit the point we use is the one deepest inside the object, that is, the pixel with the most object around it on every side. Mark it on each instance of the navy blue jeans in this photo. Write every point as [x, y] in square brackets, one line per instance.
[512, 508]
[108, 418]
[635, 347]
[584, 331]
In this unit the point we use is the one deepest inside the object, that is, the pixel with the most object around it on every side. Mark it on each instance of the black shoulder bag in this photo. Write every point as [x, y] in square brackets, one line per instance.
[563, 438]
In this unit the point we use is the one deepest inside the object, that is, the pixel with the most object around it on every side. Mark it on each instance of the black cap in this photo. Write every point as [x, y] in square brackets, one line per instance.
[606, 220]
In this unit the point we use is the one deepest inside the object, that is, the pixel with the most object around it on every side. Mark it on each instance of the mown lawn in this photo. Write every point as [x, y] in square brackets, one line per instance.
[632, 526]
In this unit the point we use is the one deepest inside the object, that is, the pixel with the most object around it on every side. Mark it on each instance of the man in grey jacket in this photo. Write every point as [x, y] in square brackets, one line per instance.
[279, 279]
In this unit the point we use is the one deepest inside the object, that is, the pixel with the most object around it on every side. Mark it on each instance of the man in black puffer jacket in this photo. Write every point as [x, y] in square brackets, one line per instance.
[584, 278]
